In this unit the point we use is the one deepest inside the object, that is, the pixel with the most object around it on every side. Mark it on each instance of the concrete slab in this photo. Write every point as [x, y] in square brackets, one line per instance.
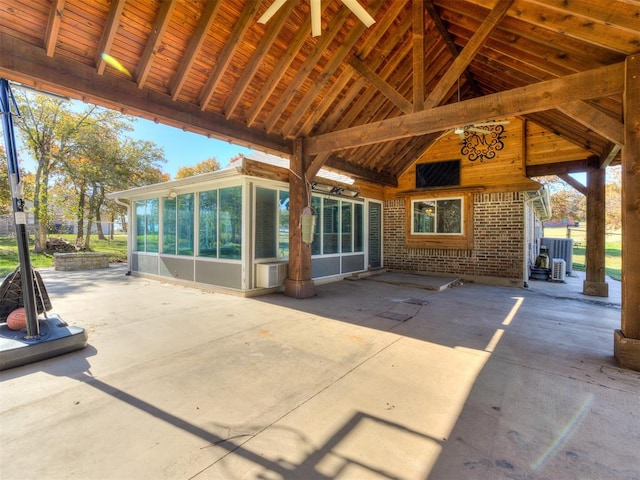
[481, 382]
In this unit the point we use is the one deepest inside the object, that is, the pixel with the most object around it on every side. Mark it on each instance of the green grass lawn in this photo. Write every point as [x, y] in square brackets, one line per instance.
[613, 249]
[116, 248]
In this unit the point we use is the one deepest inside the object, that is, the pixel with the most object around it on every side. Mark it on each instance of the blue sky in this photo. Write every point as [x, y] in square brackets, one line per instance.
[184, 148]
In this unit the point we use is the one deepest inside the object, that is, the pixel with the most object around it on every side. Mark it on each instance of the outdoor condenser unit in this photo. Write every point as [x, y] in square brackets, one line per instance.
[269, 275]
[560, 248]
[558, 270]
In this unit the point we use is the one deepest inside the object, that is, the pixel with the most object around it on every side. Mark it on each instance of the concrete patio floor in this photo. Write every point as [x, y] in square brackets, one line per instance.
[366, 380]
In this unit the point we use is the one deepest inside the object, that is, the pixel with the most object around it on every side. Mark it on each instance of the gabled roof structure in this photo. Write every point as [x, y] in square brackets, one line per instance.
[210, 67]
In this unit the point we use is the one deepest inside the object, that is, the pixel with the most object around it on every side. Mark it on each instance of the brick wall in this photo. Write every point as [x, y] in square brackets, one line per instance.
[498, 241]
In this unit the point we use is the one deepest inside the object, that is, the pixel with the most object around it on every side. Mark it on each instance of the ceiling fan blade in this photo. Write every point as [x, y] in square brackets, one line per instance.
[480, 130]
[359, 12]
[316, 26]
[275, 6]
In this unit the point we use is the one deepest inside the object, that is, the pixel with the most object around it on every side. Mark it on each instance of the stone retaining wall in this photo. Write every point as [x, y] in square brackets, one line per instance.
[80, 261]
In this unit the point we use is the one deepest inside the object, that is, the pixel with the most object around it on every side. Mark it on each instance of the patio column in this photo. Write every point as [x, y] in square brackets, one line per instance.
[299, 283]
[627, 339]
[595, 284]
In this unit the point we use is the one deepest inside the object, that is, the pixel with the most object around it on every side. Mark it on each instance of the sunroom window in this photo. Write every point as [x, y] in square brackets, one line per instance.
[147, 225]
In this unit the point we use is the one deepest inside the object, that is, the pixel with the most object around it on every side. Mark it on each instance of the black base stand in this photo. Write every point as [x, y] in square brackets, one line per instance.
[56, 338]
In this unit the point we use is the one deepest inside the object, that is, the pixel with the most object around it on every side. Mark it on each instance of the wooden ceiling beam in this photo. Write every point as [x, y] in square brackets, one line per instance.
[53, 26]
[446, 37]
[569, 180]
[541, 96]
[387, 90]
[109, 33]
[155, 39]
[336, 163]
[558, 168]
[23, 62]
[610, 155]
[464, 58]
[195, 44]
[417, 10]
[596, 120]
[226, 55]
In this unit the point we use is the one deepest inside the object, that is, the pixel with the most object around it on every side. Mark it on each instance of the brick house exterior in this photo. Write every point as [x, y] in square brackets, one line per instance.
[498, 250]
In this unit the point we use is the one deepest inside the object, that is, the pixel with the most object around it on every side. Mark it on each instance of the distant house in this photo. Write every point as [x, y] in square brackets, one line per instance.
[230, 228]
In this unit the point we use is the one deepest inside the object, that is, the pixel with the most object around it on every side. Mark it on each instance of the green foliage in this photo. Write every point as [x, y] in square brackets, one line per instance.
[9, 260]
[206, 166]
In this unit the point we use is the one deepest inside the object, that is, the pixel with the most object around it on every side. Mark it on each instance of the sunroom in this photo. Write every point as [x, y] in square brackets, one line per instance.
[229, 229]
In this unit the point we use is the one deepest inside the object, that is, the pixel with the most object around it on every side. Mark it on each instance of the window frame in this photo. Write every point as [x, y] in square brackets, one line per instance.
[447, 241]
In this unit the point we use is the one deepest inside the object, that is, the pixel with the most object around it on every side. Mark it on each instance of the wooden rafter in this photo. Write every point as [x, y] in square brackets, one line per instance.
[417, 11]
[573, 182]
[30, 65]
[462, 61]
[329, 69]
[195, 44]
[609, 155]
[279, 70]
[270, 36]
[307, 67]
[558, 168]
[596, 120]
[336, 163]
[155, 39]
[387, 90]
[53, 26]
[226, 55]
[109, 33]
[596, 83]
[446, 37]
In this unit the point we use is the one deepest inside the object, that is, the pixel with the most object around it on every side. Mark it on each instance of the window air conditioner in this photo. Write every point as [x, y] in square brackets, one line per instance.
[558, 270]
[270, 275]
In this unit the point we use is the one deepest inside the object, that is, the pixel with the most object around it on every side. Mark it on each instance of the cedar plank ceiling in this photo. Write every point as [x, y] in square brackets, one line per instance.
[209, 67]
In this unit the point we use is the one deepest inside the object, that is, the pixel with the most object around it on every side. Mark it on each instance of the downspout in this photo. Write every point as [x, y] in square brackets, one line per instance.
[128, 205]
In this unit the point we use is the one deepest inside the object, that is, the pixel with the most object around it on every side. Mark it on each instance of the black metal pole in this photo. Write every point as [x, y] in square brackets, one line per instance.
[20, 216]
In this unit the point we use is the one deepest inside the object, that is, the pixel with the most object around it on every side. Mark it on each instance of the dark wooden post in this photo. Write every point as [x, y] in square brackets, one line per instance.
[595, 284]
[299, 283]
[627, 339]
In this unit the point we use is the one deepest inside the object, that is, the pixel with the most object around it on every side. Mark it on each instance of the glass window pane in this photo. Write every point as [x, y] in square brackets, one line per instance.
[424, 213]
[185, 223]
[169, 226]
[208, 224]
[358, 228]
[153, 224]
[347, 209]
[316, 246]
[266, 218]
[231, 222]
[283, 230]
[330, 226]
[450, 216]
[141, 221]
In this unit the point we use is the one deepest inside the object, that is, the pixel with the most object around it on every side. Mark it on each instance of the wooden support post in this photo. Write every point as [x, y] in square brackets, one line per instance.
[595, 284]
[299, 283]
[627, 339]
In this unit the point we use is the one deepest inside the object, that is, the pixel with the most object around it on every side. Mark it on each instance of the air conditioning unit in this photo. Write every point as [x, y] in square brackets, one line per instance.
[270, 275]
[558, 270]
[560, 248]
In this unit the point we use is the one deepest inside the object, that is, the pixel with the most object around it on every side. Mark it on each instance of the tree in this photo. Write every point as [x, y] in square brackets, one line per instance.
[614, 197]
[48, 128]
[206, 166]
